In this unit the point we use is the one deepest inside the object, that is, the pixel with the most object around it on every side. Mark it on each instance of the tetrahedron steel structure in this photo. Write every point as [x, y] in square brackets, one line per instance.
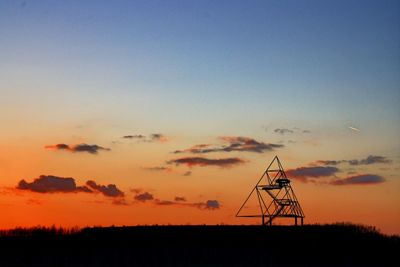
[275, 197]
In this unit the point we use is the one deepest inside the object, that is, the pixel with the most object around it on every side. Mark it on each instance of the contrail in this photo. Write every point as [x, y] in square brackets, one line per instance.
[354, 129]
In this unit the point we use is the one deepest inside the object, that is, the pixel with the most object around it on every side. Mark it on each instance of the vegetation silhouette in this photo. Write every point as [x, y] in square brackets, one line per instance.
[220, 245]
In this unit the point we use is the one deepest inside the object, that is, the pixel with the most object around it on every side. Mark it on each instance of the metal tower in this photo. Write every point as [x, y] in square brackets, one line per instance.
[274, 187]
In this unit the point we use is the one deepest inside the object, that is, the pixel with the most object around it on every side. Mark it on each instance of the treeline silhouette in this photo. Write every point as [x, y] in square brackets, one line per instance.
[221, 245]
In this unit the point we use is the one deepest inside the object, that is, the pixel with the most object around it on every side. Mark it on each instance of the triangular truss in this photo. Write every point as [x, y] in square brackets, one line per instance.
[275, 196]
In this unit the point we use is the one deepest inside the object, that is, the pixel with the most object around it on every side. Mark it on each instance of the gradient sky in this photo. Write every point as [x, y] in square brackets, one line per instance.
[309, 81]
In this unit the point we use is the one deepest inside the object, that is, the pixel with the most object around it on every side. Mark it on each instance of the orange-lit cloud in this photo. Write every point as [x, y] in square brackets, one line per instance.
[207, 205]
[304, 173]
[180, 199]
[110, 190]
[52, 184]
[55, 184]
[202, 162]
[92, 149]
[146, 197]
[235, 143]
[362, 179]
[158, 168]
[143, 197]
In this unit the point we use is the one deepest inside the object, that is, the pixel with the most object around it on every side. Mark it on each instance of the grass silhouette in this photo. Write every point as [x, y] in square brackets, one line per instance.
[340, 244]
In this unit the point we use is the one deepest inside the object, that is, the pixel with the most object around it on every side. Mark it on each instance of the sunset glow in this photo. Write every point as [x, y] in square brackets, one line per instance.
[168, 112]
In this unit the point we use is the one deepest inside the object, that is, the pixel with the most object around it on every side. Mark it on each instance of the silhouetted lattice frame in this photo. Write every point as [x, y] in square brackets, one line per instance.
[282, 199]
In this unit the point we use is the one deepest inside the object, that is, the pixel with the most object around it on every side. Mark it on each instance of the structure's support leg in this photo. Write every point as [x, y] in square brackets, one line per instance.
[301, 221]
[262, 219]
[270, 221]
[295, 221]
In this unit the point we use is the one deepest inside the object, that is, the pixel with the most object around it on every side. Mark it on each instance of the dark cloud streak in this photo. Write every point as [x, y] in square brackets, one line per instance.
[235, 143]
[155, 137]
[110, 190]
[199, 161]
[91, 149]
[304, 173]
[371, 159]
[52, 184]
[362, 179]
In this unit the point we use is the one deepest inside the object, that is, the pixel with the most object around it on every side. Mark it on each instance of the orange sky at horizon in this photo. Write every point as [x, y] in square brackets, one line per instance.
[321, 202]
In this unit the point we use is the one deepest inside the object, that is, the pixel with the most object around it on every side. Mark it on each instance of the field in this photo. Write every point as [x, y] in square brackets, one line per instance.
[310, 245]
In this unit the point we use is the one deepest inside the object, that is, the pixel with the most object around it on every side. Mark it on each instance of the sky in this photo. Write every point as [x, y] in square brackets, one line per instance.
[168, 112]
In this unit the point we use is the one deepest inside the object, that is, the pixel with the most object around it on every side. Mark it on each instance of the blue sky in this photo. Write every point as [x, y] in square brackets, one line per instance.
[323, 57]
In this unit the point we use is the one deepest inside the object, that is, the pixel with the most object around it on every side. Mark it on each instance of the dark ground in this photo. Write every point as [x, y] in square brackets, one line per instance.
[326, 245]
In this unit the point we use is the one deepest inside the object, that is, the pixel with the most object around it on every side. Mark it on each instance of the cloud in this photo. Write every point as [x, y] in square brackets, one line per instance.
[110, 190]
[330, 162]
[120, 202]
[158, 137]
[235, 143]
[199, 161]
[362, 179]
[371, 159]
[136, 136]
[158, 168]
[143, 197]
[52, 184]
[208, 205]
[155, 137]
[165, 202]
[283, 131]
[303, 173]
[180, 199]
[92, 149]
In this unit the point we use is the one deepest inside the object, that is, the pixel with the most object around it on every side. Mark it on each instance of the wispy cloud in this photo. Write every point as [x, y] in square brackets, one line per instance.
[207, 205]
[371, 159]
[294, 130]
[362, 179]
[91, 149]
[283, 131]
[304, 173]
[143, 197]
[329, 162]
[235, 143]
[155, 137]
[199, 161]
[158, 169]
[136, 136]
[166, 202]
[177, 199]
